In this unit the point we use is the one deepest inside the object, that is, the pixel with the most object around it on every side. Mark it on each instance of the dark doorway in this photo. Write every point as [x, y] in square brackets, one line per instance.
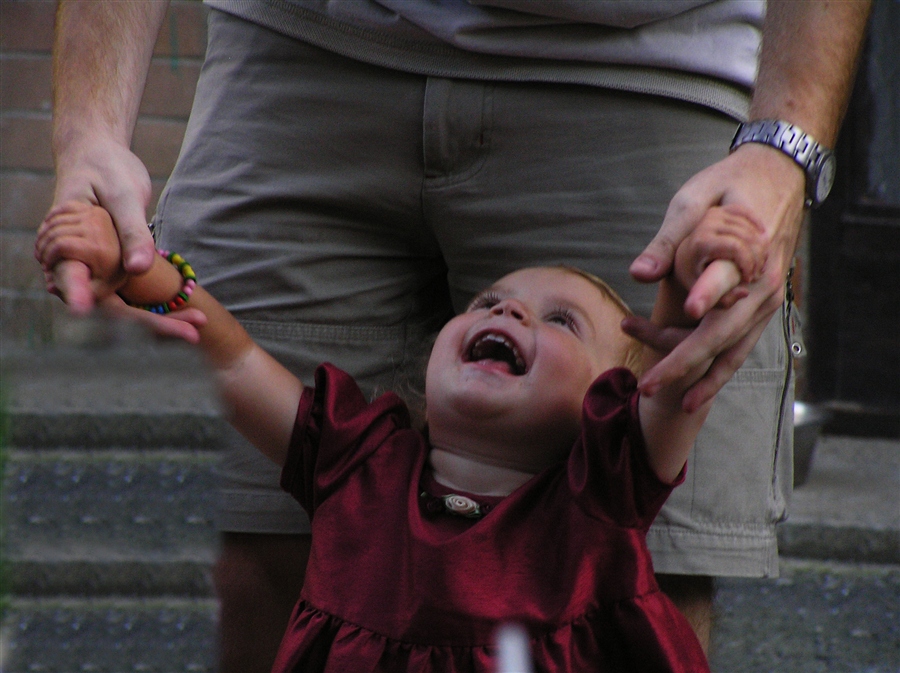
[853, 293]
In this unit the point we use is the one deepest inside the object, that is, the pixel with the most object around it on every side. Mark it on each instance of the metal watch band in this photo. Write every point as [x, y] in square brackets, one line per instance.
[816, 161]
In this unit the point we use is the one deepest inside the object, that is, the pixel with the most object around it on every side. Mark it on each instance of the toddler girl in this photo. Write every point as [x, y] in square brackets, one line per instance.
[525, 499]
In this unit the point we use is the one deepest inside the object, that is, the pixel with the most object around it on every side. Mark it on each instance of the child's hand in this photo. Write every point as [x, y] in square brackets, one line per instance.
[716, 262]
[82, 233]
[181, 324]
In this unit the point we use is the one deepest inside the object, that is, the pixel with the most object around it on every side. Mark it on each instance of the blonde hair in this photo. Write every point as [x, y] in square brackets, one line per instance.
[632, 358]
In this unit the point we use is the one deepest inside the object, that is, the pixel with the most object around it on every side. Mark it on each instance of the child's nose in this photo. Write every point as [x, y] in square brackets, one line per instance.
[512, 308]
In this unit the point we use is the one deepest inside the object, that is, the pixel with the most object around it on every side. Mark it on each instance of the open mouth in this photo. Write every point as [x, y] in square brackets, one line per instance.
[500, 349]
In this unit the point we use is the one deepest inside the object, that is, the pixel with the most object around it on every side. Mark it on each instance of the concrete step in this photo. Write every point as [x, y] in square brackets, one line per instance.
[119, 390]
[849, 507]
[111, 635]
[109, 522]
[818, 617]
[109, 483]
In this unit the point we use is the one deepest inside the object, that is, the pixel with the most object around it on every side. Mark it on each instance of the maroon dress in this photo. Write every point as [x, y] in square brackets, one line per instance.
[397, 582]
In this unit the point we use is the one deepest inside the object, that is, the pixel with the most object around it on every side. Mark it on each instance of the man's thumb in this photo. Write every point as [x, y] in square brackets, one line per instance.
[137, 244]
[654, 262]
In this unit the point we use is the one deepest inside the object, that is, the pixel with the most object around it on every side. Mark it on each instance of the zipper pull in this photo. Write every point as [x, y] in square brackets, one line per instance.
[795, 324]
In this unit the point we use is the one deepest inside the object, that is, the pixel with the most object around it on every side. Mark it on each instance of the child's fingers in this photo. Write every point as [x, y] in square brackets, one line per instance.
[744, 247]
[67, 217]
[183, 324]
[721, 234]
[68, 206]
[72, 281]
[59, 220]
[51, 236]
[662, 339]
[720, 281]
[58, 248]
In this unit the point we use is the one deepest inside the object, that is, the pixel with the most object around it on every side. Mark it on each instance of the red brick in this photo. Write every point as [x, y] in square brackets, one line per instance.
[25, 82]
[170, 88]
[26, 25]
[183, 33]
[157, 143]
[24, 199]
[25, 140]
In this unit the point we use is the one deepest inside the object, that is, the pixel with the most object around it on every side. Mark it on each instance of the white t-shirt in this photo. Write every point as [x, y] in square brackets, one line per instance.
[702, 51]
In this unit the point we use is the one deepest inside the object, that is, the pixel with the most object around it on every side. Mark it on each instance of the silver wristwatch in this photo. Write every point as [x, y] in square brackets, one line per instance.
[817, 162]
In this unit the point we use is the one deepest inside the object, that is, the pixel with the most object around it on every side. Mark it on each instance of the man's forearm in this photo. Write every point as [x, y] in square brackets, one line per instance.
[101, 56]
[807, 63]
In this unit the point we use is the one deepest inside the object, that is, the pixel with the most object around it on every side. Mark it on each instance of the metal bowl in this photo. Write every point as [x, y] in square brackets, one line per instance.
[808, 422]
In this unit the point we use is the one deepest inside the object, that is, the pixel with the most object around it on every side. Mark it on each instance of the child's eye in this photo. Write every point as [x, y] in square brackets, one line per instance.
[485, 300]
[563, 317]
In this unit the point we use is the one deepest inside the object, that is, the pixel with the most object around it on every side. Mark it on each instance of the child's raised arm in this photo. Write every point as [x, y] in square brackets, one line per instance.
[261, 394]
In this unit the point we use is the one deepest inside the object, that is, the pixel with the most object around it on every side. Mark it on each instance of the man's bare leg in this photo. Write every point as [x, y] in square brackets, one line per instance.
[693, 595]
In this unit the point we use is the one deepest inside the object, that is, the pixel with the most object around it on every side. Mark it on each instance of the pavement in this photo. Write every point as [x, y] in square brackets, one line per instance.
[836, 606]
[109, 538]
[849, 507]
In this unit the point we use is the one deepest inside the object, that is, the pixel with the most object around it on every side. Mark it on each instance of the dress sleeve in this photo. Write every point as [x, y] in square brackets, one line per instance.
[608, 470]
[336, 430]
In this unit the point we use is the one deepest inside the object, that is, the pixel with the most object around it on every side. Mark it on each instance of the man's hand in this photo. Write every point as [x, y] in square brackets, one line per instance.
[765, 186]
[110, 175]
[77, 244]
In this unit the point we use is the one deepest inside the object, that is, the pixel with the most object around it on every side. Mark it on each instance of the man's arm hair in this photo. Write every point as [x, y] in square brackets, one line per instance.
[101, 56]
[807, 63]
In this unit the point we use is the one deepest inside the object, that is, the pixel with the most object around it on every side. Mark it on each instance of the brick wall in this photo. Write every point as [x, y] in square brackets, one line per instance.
[27, 313]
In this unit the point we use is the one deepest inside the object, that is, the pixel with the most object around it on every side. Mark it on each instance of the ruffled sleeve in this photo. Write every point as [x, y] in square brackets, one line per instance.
[609, 472]
[336, 429]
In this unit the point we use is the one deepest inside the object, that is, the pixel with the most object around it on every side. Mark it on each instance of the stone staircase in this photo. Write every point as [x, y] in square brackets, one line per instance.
[108, 502]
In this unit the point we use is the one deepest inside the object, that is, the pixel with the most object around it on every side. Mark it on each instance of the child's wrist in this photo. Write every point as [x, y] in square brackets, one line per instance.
[165, 287]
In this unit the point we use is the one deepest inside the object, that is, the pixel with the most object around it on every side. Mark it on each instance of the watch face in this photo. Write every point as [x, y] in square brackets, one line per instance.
[826, 178]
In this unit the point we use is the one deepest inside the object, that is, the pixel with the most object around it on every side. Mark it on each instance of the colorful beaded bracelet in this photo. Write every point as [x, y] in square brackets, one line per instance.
[190, 282]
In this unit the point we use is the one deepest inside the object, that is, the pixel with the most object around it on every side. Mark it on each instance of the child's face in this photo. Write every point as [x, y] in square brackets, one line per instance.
[523, 355]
